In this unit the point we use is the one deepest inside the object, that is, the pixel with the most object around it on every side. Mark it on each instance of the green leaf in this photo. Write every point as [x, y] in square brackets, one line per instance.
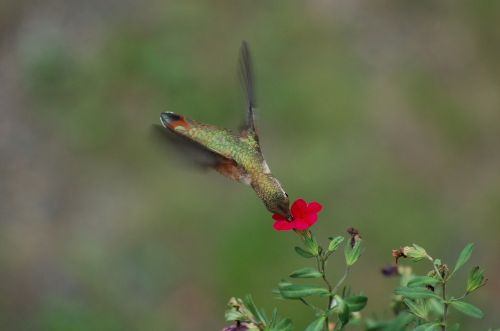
[283, 325]
[296, 291]
[463, 257]
[356, 303]
[352, 253]
[317, 325]
[274, 317]
[335, 243]
[345, 315]
[400, 322]
[311, 245]
[234, 315]
[435, 307]
[455, 327]
[249, 303]
[427, 327]
[416, 309]
[422, 281]
[416, 293]
[306, 273]
[475, 280]
[303, 252]
[467, 309]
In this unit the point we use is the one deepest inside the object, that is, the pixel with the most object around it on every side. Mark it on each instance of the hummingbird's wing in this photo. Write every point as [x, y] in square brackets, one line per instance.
[246, 72]
[193, 152]
[199, 143]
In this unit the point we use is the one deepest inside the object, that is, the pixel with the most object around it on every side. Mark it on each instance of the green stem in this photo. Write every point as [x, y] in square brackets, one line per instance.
[443, 278]
[313, 307]
[445, 312]
[437, 270]
[322, 269]
[346, 272]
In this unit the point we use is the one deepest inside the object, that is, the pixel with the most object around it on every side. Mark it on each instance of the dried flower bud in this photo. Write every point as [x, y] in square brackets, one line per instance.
[398, 253]
[355, 236]
[443, 270]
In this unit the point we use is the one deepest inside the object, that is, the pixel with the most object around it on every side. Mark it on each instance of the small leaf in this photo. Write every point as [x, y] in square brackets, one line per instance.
[317, 325]
[283, 325]
[306, 273]
[427, 327]
[436, 307]
[475, 280]
[416, 293]
[335, 243]
[352, 253]
[249, 303]
[467, 309]
[311, 245]
[296, 291]
[303, 252]
[437, 262]
[356, 303]
[345, 315]
[417, 309]
[274, 317]
[422, 281]
[463, 257]
[401, 321]
[234, 315]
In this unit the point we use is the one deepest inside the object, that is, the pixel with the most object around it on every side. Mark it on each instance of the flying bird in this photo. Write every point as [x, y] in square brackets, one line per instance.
[234, 155]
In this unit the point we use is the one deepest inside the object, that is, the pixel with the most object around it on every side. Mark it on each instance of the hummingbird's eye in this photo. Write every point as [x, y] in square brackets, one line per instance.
[286, 195]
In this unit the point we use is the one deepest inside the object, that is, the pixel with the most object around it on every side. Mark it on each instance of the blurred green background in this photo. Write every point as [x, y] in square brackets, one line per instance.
[388, 113]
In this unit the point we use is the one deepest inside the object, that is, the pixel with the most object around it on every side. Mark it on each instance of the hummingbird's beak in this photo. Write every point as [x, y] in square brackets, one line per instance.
[164, 119]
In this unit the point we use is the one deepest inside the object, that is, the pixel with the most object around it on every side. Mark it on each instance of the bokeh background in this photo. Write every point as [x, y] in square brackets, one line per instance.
[388, 113]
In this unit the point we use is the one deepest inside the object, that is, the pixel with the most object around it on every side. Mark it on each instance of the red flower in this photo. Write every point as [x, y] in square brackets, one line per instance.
[304, 216]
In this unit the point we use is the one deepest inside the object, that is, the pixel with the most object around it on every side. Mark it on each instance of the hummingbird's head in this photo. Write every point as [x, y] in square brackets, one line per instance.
[283, 206]
[274, 197]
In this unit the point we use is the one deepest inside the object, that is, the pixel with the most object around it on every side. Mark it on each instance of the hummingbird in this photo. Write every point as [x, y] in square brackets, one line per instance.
[234, 155]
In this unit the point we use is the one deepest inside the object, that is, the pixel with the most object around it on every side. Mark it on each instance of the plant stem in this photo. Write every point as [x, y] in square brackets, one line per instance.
[444, 279]
[438, 272]
[313, 307]
[346, 272]
[445, 312]
[322, 269]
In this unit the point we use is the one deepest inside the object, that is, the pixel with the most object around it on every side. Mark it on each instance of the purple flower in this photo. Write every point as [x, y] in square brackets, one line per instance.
[236, 327]
[390, 270]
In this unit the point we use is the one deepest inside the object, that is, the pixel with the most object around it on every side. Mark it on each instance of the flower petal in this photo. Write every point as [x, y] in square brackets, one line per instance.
[278, 217]
[301, 225]
[311, 219]
[299, 208]
[283, 225]
[314, 207]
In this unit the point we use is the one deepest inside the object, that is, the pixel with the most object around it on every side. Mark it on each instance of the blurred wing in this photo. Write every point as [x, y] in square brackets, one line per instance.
[189, 149]
[197, 154]
[247, 80]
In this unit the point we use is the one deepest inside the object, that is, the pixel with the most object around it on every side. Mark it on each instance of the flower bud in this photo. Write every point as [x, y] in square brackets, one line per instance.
[415, 252]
